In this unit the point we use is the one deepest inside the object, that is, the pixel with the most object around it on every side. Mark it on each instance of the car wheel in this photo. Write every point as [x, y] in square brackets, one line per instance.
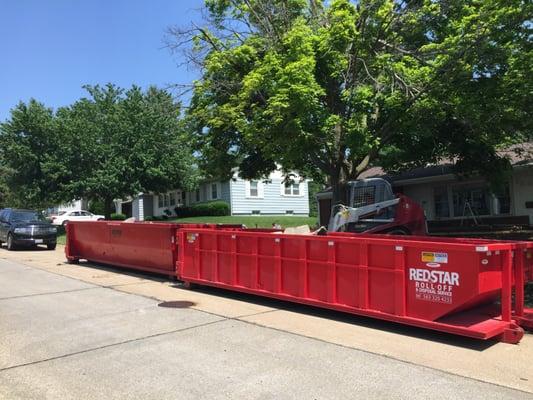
[51, 246]
[9, 243]
[65, 223]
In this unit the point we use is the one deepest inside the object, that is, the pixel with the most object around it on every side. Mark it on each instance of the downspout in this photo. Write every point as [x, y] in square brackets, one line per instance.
[230, 196]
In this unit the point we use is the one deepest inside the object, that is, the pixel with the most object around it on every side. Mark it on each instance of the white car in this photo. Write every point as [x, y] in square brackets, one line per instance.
[80, 215]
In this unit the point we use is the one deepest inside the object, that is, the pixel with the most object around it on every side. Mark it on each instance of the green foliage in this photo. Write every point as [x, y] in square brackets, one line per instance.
[113, 144]
[96, 207]
[128, 141]
[33, 170]
[117, 217]
[210, 208]
[157, 218]
[313, 189]
[6, 196]
[331, 88]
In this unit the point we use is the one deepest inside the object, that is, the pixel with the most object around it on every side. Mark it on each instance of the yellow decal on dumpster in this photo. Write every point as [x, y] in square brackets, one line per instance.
[429, 256]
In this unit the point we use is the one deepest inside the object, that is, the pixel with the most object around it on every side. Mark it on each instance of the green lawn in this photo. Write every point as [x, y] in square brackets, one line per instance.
[255, 221]
[61, 238]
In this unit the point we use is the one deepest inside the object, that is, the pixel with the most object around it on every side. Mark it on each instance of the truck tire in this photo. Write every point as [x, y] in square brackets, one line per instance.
[10, 245]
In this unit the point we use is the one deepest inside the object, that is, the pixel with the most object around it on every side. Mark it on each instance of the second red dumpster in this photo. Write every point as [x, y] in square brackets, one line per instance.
[449, 285]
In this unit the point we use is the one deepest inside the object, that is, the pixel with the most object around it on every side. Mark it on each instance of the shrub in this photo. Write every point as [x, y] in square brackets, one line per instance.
[207, 209]
[118, 217]
[96, 207]
[156, 218]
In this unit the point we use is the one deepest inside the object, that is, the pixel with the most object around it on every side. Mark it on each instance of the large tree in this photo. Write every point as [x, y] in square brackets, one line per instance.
[31, 149]
[331, 88]
[125, 142]
[110, 145]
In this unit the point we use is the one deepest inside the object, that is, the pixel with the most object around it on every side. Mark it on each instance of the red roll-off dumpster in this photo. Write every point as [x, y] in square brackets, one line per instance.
[145, 246]
[450, 285]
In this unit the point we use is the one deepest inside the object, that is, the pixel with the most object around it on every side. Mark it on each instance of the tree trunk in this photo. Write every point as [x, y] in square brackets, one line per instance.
[338, 188]
[108, 207]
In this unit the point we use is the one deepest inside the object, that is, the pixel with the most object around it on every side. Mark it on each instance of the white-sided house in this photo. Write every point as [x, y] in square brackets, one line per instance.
[269, 197]
[256, 197]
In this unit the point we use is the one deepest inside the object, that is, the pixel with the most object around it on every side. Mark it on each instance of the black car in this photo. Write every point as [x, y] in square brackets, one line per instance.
[26, 228]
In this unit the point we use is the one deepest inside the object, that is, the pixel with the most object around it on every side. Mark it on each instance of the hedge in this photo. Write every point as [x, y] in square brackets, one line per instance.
[118, 217]
[156, 218]
[207, 209]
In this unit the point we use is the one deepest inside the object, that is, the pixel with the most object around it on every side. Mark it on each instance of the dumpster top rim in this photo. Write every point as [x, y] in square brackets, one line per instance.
[475, 245]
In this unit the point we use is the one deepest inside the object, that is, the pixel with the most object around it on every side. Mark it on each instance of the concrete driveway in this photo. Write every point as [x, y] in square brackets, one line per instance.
[85, 332]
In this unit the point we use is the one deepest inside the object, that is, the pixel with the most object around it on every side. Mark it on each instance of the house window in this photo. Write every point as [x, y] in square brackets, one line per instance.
[470, 201]
[197, 195]
[160, 200]
[296, 189]
[179, 198]
[440, 199]
[254, 189]
[292, 189]
[214, 191]
[172, 198]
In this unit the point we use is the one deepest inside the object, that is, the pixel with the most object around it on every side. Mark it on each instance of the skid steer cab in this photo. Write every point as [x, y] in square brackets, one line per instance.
[373, 208]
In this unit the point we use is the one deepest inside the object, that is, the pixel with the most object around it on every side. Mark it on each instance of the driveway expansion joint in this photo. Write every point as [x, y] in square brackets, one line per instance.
[48, 293]
[75, 353]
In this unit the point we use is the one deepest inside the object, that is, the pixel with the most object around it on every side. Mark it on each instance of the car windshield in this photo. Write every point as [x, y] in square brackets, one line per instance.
[26, 216]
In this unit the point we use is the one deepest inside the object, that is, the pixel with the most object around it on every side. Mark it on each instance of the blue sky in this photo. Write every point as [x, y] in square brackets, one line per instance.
[49, 49]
